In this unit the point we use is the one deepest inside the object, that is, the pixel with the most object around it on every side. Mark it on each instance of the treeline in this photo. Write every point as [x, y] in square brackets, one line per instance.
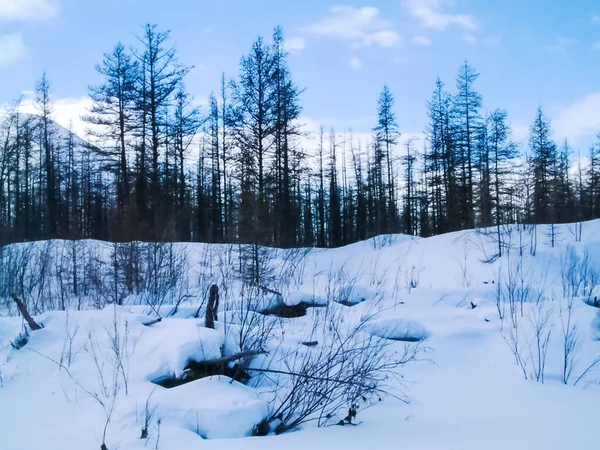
[156, 168]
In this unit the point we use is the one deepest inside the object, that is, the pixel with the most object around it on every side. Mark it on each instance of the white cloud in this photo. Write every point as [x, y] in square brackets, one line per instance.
[12, 48]
[355, 63]
[429, 14]
[579, 120]
[294, 45]
[595, 18]
[361, 26]
[562, 45]
[520, 132]
[64, 111]
[596, 46]
[28, 10]
[421, 40]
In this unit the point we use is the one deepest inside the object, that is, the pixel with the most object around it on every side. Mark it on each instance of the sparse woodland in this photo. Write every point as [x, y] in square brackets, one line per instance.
[244, 169]
[171, 272]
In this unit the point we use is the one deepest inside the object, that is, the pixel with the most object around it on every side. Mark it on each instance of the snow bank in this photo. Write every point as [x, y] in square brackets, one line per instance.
[179, 341]
[473, 388]
[352, 294]
[596, 327]
[397, 329]
[297, 297]
[213, 407]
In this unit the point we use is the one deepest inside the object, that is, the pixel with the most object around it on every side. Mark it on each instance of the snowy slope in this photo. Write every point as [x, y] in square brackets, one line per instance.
[466, 391]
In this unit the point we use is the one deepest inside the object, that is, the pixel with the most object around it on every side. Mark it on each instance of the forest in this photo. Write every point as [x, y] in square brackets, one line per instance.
[186, 273]
[154, 167]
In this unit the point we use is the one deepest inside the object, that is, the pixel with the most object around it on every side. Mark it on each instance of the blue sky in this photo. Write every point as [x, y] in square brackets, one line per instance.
[529, 52]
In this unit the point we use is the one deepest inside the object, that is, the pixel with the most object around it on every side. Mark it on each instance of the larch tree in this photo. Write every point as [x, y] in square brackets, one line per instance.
[543, 163]
[466, 129]
[113, 120]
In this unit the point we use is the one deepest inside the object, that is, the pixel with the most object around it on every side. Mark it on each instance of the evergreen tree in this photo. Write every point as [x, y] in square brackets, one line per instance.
[160, 77]
[112, 114]
[543, 167]
[502, 153]
[466, 130]
[386, 138]
[47, 154]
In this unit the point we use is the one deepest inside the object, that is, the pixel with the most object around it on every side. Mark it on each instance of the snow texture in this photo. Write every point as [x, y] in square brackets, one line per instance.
[467, 392]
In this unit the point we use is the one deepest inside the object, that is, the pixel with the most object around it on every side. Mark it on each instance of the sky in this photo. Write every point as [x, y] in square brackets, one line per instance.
[528, 52]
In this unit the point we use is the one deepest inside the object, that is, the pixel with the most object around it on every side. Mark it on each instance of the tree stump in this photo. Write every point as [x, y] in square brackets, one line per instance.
[212, 307]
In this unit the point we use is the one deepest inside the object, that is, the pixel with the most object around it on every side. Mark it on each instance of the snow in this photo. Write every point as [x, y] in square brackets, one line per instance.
[213, 408]
[397, 329]
[596, 327]
[466, 390]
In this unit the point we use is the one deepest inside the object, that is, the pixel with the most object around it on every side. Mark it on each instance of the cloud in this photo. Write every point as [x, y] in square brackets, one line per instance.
[596, 46]
[12, 48]
[421, 40]
[561, 45]
[595, 18]
[429, 14]
[294, 45]
[64, 111]
[579, 120]
[28, 10]
[360, 26]
[355, 63]
[520, 132]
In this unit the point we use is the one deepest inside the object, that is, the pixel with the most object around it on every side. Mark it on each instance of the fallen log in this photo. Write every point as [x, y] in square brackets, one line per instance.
[23, 310]
[195, 370]
[231, 358]
[152, 322]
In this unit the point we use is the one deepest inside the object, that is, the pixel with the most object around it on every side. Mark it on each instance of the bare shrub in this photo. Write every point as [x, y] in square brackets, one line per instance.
[167, 276]
[253, 330]
[587, 370]
[105, 392]
[412, 278]
[529, 327]
[291, 268]
[570, 339]
[149, 413]
[347, 369]
[541, 325]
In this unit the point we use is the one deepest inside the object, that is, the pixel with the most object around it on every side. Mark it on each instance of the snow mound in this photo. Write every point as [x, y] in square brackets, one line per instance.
[592, 301]
[179, 341]
[351, 295]
[397, 329]
[298, 297]
[213, 407]
[241, 316]
[596, 327]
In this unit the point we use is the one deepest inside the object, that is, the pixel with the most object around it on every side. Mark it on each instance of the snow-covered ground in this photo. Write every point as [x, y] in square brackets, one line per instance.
[476, 323]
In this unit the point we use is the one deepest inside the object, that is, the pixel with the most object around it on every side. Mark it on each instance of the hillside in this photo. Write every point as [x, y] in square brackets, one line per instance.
[434, 343]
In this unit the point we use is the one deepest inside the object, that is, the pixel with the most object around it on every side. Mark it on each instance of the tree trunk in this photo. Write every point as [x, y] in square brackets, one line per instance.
[23, 310]
[212, 307]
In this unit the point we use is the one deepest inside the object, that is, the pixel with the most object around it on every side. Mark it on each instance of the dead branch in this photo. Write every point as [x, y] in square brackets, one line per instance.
[152, 322]
[236, 357]
[23, 310]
